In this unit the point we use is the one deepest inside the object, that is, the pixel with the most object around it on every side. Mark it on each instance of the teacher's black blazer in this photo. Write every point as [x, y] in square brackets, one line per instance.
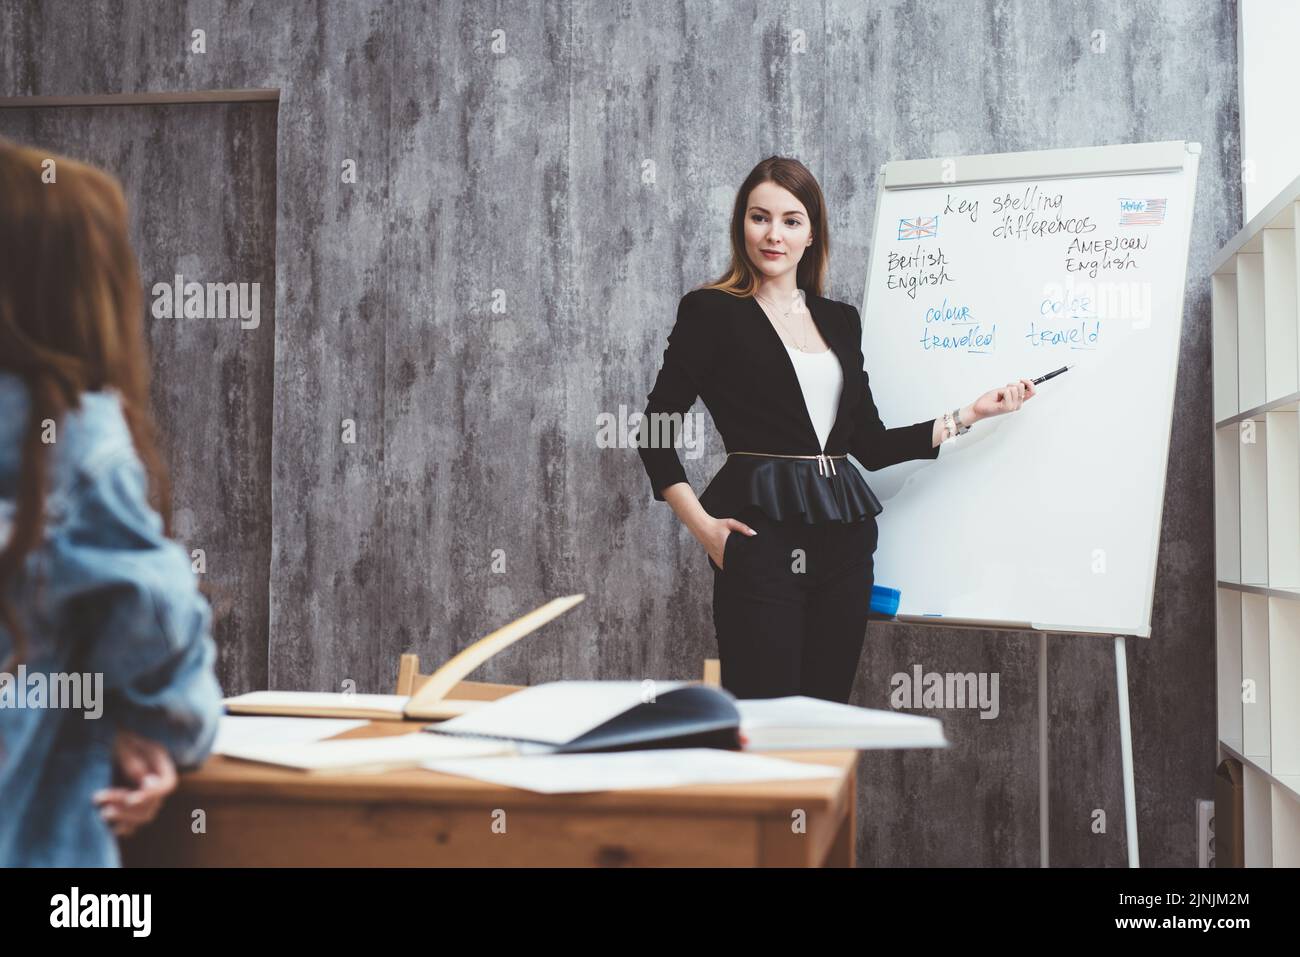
[724, 350]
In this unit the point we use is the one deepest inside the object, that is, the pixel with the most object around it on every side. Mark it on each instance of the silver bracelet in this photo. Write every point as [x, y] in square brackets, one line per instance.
[961, 428]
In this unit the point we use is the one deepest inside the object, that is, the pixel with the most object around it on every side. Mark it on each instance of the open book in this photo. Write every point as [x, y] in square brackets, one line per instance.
[575, 716]
[429, 703]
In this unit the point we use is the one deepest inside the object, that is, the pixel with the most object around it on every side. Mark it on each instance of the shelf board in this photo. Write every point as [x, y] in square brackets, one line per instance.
[1292, 593]
[1288, 782]
[1285, 403]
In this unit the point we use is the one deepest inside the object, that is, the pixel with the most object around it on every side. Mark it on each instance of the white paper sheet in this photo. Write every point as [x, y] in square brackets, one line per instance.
[238, 730]
[369, 754]
[801, 722]
[630, 770]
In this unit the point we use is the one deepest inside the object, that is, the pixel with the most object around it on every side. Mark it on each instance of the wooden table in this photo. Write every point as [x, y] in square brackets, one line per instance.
[261, 816]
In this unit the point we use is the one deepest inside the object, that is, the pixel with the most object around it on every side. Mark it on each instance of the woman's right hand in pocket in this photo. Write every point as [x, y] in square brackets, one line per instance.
[715, 536]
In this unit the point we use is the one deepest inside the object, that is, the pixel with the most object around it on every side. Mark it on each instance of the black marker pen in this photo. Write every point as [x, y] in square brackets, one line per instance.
[1051, 375]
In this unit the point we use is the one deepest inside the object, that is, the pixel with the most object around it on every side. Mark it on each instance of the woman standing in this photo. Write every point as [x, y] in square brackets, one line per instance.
[91, 584]
[780, 369]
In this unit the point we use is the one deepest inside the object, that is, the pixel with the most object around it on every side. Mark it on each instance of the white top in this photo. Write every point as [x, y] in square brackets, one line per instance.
[822, 380]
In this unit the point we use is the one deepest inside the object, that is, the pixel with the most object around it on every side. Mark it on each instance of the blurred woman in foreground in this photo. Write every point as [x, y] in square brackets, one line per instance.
[106, 658]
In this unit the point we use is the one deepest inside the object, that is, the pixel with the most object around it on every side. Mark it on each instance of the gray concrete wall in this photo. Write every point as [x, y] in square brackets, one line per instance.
[529, 207]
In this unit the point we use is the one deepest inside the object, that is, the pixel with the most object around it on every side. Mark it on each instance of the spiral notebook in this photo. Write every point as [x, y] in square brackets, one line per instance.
[577, 716]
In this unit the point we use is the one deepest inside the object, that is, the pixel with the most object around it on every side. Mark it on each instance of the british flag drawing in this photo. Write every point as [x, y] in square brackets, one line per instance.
[922, 227]
[1141, 212]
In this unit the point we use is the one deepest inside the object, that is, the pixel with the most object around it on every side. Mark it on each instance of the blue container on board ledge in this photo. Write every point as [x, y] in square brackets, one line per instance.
[884, 602]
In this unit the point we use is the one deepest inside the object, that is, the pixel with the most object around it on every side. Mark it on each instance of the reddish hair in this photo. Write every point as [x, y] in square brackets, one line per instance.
[71, 321]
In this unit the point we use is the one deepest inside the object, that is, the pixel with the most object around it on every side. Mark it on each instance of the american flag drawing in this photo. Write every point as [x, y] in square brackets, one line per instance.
[1141, 212]
[922, 227]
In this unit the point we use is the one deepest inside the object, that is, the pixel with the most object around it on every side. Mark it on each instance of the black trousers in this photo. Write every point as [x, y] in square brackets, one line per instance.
[790, 606]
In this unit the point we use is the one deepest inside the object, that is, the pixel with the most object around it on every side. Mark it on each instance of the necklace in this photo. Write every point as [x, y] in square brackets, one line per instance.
[801, 348]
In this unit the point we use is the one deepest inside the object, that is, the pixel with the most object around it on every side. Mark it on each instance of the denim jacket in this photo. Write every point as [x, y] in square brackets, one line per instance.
[105, 598]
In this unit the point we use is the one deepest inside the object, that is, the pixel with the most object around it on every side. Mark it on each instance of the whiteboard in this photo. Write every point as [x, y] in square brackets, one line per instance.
[988, 269]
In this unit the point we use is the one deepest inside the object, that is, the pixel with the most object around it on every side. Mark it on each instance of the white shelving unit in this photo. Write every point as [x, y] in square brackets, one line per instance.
[1256, 344]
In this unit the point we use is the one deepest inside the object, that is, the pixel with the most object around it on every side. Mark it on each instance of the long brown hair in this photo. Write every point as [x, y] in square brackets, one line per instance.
[71, 321]
[742, 276]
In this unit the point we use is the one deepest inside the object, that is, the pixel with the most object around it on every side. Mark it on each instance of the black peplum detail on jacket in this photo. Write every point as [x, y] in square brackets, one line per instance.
[724, 350]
